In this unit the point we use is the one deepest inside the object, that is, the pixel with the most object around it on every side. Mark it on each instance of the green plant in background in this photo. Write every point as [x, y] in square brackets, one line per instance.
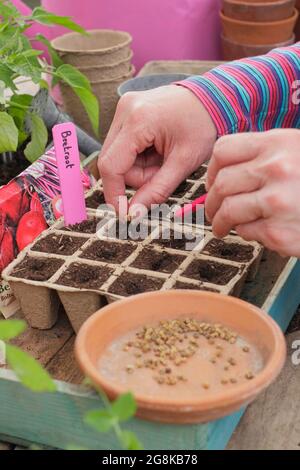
[19, 58]
[33, 376]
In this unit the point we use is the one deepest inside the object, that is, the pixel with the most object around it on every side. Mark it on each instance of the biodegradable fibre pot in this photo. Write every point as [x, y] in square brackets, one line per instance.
[108, 72]
[249, 32]
[249, 322]
[148, 82]
[110, 269]
[101, 47]
[233, 50]
[106, 92]
[258, 11]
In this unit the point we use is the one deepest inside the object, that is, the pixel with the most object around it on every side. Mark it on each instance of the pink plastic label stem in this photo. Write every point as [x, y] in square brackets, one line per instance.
[68, 163]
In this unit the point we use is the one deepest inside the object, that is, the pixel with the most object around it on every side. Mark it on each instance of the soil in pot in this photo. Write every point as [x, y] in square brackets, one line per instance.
[186, 285]
[130, 284]
[230, 251]
[183, 188]
[108, 252]
[89, 226]
[128, 230]
[211, 271]
[173, 241]
[37, 269]
[59, 244]
[95, 200]
[84, 276]
[198, 173]
[153, 260]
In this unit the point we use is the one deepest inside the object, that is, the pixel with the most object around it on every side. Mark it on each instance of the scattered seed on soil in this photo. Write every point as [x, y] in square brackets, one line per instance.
[153, 260]
[85, 276]
[59, 244]
[205, 386]
[211, 271]
[233, 380]
[230, 251]
[87, 226]
[246, 349]
[37, 269]
[130, 284]
[109, 252]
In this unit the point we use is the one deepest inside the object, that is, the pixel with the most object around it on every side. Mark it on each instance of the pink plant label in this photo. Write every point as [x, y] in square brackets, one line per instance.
[68, 163]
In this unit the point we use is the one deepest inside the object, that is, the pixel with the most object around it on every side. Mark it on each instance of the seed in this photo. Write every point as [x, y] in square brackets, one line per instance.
[226, 368]
[219, 347]
[219, 354]
[139, 364]
[224, 381]
[205, 386]
[160, 380]
[126, 348]
[249, 376]
[232, 361]
[129, 369]
[246, 349]
[233, 380]
[181, 378]
[213, 361]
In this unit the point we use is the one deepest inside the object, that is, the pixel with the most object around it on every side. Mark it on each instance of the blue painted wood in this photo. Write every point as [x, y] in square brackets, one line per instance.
[56, 419]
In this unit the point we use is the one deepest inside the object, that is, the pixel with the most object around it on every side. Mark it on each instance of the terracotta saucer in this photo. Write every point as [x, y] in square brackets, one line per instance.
[249, 322]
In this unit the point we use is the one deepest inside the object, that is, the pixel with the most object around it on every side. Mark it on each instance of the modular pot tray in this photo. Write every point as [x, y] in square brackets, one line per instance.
[94, 268]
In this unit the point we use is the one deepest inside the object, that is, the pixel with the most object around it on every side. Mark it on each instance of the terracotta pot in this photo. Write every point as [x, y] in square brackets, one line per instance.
[232, 50]
[119, 318]
[108, 72]
[258, 11]
[100, 48]
[247, 32]
[107, 94]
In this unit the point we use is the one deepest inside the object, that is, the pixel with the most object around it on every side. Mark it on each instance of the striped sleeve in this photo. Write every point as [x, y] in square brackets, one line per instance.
[254, 94]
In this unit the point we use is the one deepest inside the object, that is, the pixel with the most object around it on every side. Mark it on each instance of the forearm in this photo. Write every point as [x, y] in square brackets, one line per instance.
[254, 94]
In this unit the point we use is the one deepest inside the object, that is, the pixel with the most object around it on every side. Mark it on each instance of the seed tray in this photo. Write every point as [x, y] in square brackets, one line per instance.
[105, 281]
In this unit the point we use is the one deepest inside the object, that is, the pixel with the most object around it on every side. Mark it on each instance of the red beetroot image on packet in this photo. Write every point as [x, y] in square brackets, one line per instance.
[28, 205]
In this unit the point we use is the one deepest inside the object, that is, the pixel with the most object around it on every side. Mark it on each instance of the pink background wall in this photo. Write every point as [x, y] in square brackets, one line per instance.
[161, 29]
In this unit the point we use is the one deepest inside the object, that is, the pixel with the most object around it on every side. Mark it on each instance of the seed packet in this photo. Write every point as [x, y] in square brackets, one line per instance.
[28, 205]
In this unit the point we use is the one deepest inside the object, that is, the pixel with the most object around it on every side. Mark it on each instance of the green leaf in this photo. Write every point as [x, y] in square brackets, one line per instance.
[39, 138]
[130, 441]
[10, 329]
[8, 133]
[91, 106]
[100, 420]
[56, 60]
[6, 75]
[124, 407]
[45, 17]
[18, 109]
[8, 10]
[73, 77]
[29, 371]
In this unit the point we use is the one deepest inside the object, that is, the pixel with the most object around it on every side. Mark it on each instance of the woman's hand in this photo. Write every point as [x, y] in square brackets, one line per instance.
[156, 140]
[254, 187]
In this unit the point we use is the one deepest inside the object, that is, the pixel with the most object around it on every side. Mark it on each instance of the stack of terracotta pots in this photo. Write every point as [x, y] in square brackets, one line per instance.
[104, 56]
[254, 27]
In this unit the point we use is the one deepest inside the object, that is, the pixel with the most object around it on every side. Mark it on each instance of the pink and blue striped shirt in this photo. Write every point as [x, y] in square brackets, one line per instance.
[254, 94]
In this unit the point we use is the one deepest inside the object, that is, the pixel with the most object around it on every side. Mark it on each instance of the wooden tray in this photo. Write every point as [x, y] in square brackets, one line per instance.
[55, 420]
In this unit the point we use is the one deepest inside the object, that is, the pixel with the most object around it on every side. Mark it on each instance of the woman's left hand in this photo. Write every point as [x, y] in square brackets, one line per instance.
[254, 187]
